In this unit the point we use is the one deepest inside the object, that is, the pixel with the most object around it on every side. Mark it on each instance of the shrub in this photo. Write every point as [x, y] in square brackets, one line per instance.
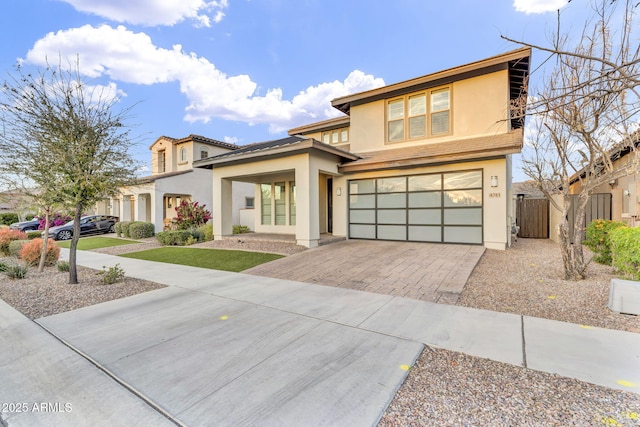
[124, 228]
[191, 215]
[625, 248]
[598, 238]
[30, 252]
[33, 234]
[112, 275]
[240, 229]
[118, 228]
[7, 235]
[207, 231]
[8, 218]
[29, 217]
[141, 230]
[15, 246]
[173, 237]
[16, 271]
[63, 266]
[3, 266]
[55, 220]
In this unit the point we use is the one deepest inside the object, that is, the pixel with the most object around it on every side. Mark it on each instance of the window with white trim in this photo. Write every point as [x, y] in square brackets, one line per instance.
[183, 154]
[419, 115]
[336, 136]
[204, 153]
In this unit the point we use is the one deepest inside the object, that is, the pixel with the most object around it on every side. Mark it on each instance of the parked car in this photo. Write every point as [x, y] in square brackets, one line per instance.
[26, 225]
[92, 224]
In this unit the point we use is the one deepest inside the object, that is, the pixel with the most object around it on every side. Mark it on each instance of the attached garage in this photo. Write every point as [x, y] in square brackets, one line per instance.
[439, 207]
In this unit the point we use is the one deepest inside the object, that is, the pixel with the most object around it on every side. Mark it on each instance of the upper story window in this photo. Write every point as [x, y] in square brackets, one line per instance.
[183, 154]
[204, 153]
[336, 136]
[161, 161]
[409, 118]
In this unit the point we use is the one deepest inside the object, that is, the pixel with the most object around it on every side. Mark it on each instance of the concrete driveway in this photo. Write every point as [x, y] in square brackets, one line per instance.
[424, 271]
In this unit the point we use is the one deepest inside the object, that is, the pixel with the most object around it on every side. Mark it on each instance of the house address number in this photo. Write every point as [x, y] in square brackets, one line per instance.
[494, 195]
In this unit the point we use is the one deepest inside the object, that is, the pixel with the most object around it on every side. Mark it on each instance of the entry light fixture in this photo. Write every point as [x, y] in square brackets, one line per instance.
[494, 181]
[339, 191]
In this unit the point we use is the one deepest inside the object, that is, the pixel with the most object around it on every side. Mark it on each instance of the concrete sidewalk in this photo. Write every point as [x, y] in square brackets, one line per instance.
[233, 349]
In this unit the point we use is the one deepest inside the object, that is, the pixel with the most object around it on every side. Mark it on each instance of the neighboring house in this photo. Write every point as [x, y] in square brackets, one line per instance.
[173, 179]
[427, 160]
[623, 194]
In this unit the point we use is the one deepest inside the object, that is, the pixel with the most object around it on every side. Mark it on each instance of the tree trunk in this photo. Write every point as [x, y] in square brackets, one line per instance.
[571, 249]
[73, 271]
[45, 241]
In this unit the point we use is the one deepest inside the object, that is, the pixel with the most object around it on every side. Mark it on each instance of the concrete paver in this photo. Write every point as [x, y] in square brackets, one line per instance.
[420, 270]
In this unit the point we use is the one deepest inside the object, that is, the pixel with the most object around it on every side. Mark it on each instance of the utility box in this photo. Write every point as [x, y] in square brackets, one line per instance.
[624, 296]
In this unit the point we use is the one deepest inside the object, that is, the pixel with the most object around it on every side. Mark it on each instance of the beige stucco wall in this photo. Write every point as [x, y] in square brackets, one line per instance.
[496, 220]
[478, 108]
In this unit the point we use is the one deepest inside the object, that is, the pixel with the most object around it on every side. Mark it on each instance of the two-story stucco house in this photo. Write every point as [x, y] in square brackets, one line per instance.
[425, 160]
[173, 179]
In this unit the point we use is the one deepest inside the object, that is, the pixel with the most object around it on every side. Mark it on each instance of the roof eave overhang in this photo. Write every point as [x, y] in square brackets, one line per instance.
[429, 160]
[305, 146]
[325, 125]
[496, 63]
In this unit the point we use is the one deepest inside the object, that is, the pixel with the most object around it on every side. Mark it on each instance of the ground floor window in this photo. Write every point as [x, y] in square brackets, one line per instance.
[265, 211]
[443, 207]
[278, 203]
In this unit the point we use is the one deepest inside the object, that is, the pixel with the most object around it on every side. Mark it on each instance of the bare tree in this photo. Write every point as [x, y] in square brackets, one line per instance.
[67, 137]
[585, 117]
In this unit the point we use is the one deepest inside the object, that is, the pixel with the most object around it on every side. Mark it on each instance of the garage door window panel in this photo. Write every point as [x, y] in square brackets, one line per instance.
[360, 231]
[392, 232]
[425, 216]
[425, 234]
[463, 198]
[392, 185]
[398, 200]
[358, 216]
[472, 216]
[425, 200]
[459, 180]
[463, 235]
[392, 216]
[425, 182]
[359, 201]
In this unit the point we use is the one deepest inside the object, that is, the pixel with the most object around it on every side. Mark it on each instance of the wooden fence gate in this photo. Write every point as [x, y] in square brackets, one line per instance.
[599, 207]
[532, 216]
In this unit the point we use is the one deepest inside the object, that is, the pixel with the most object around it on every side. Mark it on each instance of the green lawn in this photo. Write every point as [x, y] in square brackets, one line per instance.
[215, 259]
[88, 243]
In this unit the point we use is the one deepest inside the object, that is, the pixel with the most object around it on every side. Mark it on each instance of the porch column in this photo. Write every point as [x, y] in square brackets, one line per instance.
[126, 209]
[141, 207]
[222, 207]
[157, 211]
[307, 205]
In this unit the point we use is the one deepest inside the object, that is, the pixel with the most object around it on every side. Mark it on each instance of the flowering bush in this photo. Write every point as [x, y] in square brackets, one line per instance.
[191, 215]
[55, 220]
[7, 235]
[30, 252]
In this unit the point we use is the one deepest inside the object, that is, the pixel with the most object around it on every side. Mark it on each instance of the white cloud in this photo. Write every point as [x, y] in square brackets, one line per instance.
[538, 6]
[130, 57]
[154, 12]
[231, 139]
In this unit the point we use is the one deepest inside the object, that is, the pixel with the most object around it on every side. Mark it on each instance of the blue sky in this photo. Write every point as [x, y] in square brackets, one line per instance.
[244, 71]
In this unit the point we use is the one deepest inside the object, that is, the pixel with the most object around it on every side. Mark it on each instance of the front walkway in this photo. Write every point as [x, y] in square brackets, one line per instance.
[425, 271]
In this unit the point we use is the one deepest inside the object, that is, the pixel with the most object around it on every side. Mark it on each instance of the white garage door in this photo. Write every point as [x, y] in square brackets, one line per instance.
[443, 207]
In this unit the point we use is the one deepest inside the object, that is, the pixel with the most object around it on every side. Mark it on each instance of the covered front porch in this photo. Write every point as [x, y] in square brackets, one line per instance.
[293, 184]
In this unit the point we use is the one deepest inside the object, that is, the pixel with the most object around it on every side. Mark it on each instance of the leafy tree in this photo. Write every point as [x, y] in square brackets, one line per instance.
[585, 117]
[68, 137]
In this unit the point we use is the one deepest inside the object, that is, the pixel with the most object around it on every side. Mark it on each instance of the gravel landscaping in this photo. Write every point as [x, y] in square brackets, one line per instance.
[443, 387]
